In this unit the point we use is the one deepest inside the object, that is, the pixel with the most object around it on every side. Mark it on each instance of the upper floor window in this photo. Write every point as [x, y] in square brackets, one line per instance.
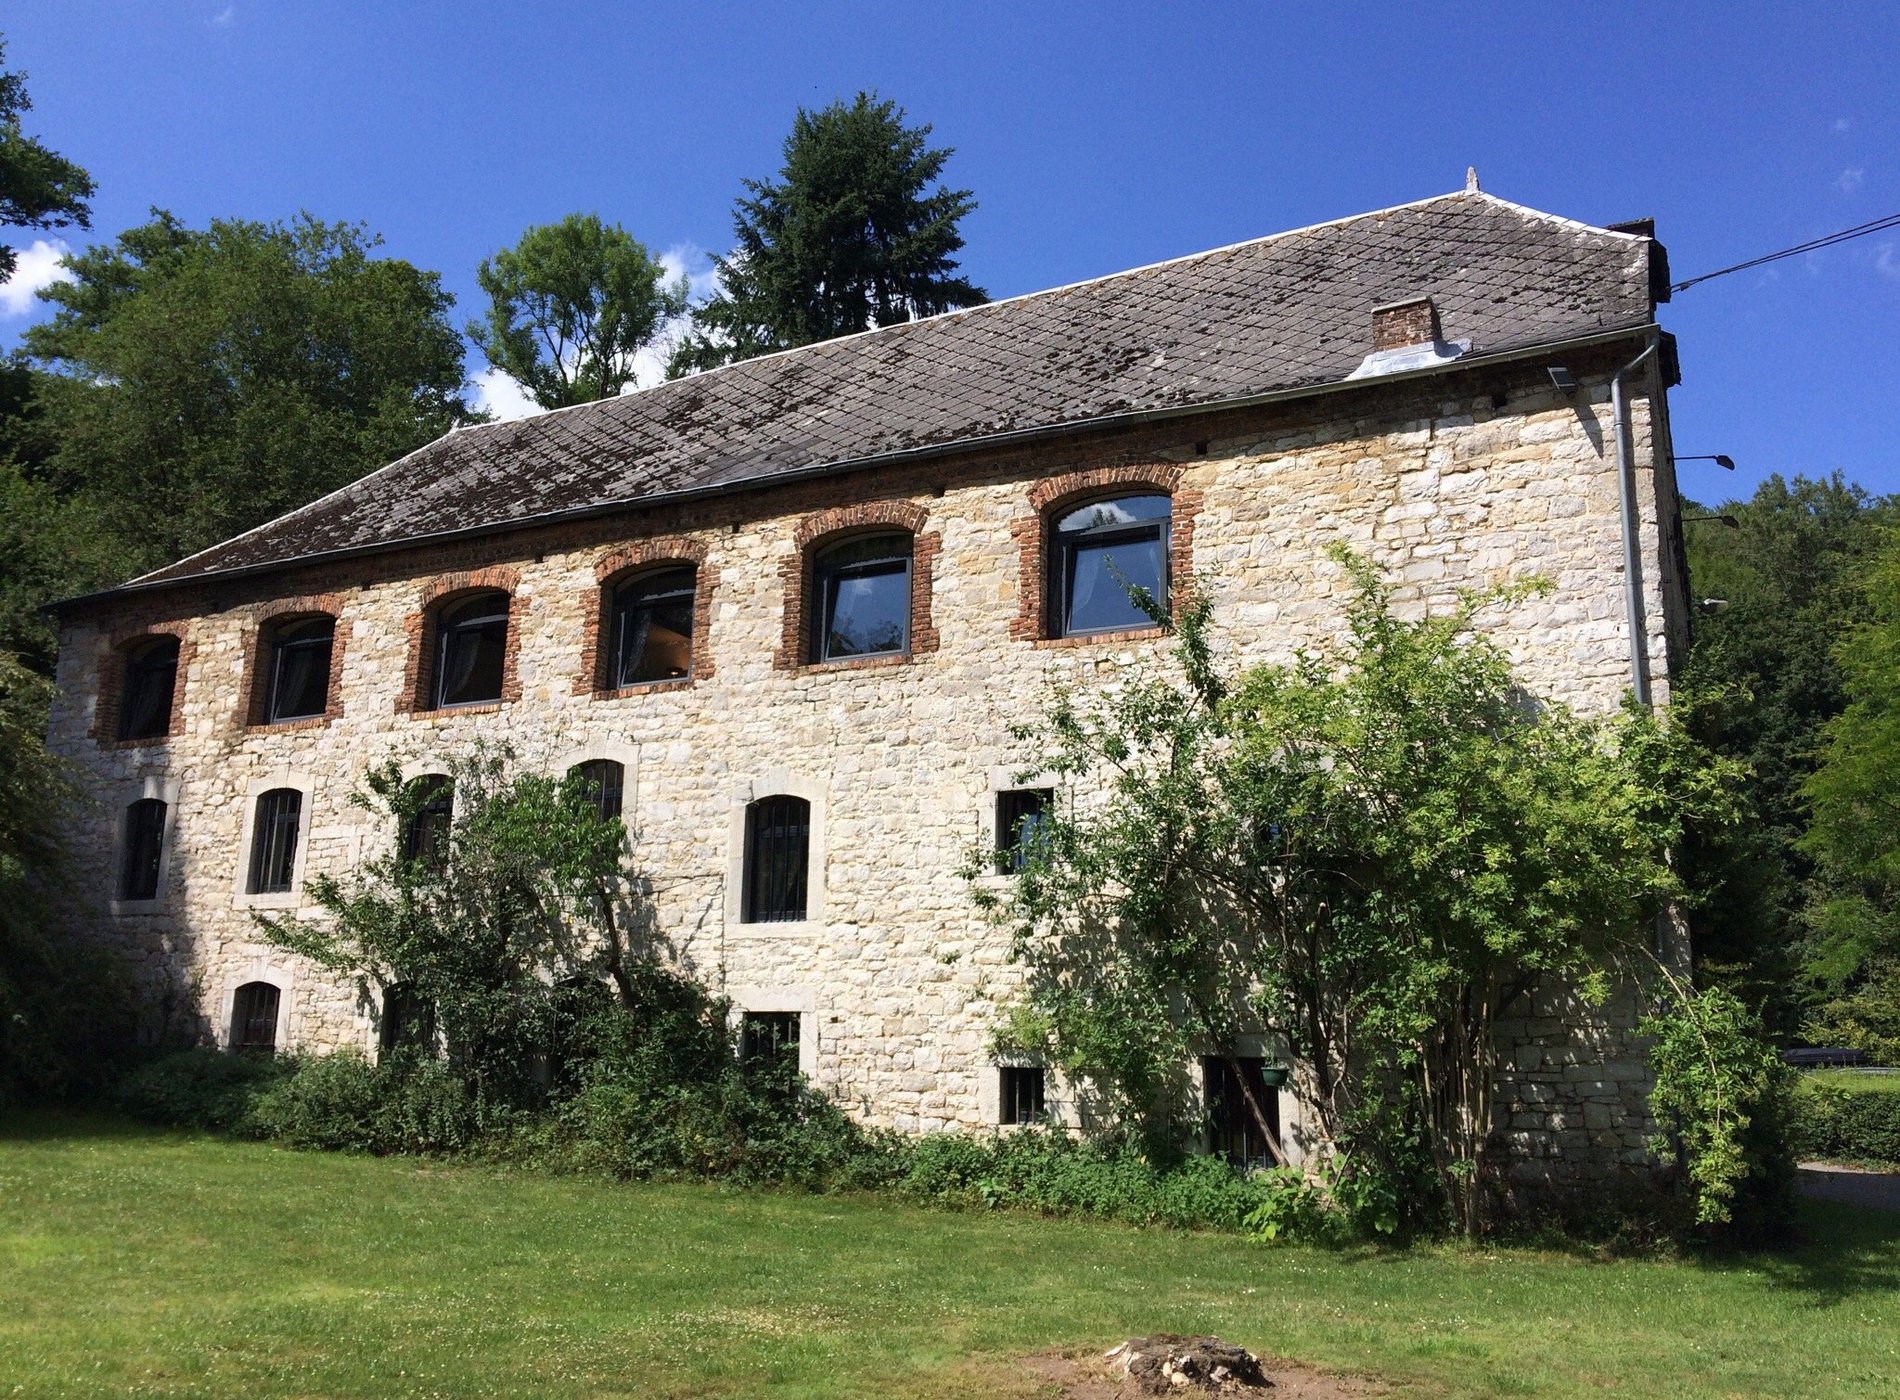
[151, 677]
[142, 849]
[777, 854]
[299, 669]
[653, 628]
[471, 649]
[862, 591]
[1021, 817]
[254, 1018]
[274, 841]
[1101, 552]
[605, 782]
[425, 837]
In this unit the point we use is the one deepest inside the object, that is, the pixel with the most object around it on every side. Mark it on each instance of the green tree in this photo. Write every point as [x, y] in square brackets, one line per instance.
[1372, 854]
[204, 381]
[570, 306]
[1789, 577]
[851, 236]
[38, 188]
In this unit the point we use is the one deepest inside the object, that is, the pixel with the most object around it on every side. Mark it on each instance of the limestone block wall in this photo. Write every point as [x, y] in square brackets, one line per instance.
[1463, 483]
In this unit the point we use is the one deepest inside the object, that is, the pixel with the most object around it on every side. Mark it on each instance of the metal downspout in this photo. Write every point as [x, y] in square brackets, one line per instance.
[1632, 551]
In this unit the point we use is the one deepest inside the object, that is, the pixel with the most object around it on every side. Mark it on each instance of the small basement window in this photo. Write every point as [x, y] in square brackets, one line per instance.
[604, 781]
[471, 650]
[1022, 816]
[769, 1037]
[1021, 1100]
[142, 849]
[862, 588]
[653, 628]
[151, 680]
[1102, 551]
[254, 1018]
[300, 669]
[274, 841]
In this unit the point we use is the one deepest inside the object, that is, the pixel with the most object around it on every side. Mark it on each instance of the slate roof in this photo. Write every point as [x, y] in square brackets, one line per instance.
[1281, 313]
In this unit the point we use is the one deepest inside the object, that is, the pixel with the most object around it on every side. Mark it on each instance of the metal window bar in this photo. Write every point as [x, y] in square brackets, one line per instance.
[274, 841]
[1022, 1097]
[606, 781]
[769, 1036]
[254, 1018]
[1232, 1132]
[778, 846]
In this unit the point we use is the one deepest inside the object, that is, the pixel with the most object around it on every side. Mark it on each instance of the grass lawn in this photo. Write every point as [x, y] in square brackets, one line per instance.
[135, 1261]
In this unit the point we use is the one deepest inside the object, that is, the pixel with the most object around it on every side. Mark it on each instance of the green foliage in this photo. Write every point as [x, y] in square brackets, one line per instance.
[1766, 669]
[1370, 855]
[847, 239]
[1716, 1077]
[209, 380]
[205, 1089]
[1864, 1014]
[1843, 1118]
[38, 188]
[569, 307]
[342, 1103]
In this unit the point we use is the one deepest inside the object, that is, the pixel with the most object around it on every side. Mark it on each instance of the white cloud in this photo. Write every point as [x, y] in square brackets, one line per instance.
[223, 18]
[38, 267]
[701, 273]
[1887, 259]
[1843, 123]
[501, 396]
[1850, 179]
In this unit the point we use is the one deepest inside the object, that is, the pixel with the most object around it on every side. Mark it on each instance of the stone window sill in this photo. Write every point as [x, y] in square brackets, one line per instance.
[283, 899]
[855, 663]
[627, 692]
[1135, 634]
[151, 741]
[448, 712]
[285, 726]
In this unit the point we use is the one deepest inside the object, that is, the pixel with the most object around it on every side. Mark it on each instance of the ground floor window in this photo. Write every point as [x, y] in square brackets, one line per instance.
[1022, 1090]
[769, 1037]
[1232, 1130]
[254, 1018]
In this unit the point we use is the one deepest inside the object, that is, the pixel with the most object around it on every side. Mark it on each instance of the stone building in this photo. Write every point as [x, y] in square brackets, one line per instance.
[789, 608]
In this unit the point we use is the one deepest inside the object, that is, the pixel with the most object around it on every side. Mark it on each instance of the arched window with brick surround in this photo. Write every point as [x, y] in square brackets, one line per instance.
[148, 688]
[647, 621]
[858, 587]
[463, 642]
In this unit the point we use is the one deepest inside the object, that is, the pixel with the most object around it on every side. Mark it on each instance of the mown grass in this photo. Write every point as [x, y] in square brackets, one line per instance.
[134, 1261]
[1860, 1080]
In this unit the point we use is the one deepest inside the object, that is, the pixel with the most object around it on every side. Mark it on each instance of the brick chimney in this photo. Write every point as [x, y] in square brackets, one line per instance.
[1402, 323]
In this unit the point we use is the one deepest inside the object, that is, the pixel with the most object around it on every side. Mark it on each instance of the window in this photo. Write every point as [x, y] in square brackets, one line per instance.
[274, 841]
[471, 645]
[142, 848]
[426, 836]
[1102, 551]
[1021, 817]
[299, 669]
[778, 847]
[862, 588]
[653, 628]
[408, 1020]
[1021, 1099]
[769, 1037]
[151, 677]
[254, 1018]
[605, 781]
[1232, 1131]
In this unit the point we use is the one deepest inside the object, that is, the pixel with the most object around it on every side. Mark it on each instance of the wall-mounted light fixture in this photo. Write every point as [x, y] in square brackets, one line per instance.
[1720, 459]
[1563, 380]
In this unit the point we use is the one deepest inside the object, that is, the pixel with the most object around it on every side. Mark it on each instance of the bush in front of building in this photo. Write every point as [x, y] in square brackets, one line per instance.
[1847, 1117]
[210, 1090]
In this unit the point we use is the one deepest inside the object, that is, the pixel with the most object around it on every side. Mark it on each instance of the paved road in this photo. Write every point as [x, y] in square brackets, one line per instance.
[1881, 1190]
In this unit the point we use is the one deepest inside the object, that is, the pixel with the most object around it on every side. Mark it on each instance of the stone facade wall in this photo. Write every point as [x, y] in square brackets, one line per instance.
[1467, 481]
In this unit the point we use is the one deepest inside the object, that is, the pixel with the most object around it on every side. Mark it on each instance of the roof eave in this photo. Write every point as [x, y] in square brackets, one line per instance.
[842, 466]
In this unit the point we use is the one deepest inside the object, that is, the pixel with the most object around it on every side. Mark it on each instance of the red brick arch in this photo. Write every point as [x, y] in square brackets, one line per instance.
[105, 712]
[253, 698]
[436, 594]
[828, 525]
[609, 570]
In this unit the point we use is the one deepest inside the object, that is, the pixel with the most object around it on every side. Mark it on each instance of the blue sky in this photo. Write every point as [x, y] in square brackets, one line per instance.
[1096, 136]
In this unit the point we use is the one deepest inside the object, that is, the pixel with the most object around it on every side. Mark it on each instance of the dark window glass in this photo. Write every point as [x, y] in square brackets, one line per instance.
[1021, 816]
[408, 1020]
[426, 837]
[151, 676]
[862, 589]
[254, 1018]
[1102, 550]
[1022, 1093]
[471, 641]
[1232, 1131]
[605, 781]
[778, 846]
[274, 840]
[770, 1037]
[653, 628]
[300, 669]
[143, 846]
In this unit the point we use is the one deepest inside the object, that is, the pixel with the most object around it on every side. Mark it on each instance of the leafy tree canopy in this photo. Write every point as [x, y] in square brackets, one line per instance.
[205, 381]
[851, 236]
[569, 307]
[38, 188]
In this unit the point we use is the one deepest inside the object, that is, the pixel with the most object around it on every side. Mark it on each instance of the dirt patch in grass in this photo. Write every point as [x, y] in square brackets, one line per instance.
[1075, 1374]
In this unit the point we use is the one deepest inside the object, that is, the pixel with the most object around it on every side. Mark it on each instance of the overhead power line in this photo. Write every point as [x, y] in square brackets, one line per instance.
[1828, 241]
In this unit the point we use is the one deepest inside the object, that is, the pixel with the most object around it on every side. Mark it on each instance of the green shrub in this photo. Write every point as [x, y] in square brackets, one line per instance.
[1850, 1118]
[343, 1103]
[206, 1089]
